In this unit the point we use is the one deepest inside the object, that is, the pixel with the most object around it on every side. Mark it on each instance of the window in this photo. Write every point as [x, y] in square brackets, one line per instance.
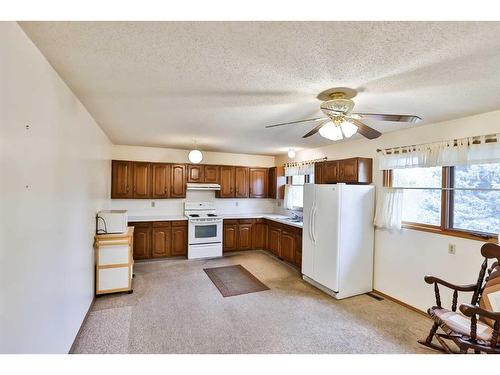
[461, 200]
[296, 190]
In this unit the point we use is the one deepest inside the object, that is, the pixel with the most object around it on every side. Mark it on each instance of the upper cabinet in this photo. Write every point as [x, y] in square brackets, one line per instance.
[211, 173]
[276, 183]
[226, 182]
[241, 182]
[177, 181]
[142, 180]
[258, 182]
[161, 180]
[351, 171]
[121, 179]
[195, 173]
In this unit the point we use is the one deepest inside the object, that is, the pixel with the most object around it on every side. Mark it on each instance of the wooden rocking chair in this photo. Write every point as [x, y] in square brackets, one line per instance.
[477, 328]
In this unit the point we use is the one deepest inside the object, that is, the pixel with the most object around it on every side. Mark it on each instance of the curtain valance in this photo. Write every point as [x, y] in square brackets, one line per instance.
[300, 168]
[464, 151]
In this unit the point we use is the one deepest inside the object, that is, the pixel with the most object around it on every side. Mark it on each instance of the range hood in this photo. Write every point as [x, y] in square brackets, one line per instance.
[196, 186]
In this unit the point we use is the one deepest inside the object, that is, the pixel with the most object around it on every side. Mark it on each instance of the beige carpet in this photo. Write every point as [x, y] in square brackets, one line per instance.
[175, 308]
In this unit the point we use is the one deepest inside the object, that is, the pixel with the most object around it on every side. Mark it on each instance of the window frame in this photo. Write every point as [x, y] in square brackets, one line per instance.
[447, 182]
[289, 181]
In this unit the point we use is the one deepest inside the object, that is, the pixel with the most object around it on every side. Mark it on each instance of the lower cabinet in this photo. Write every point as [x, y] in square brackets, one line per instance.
[159, 239]
[287, 246]
[245, 235]
[230, 235]
[274, 240]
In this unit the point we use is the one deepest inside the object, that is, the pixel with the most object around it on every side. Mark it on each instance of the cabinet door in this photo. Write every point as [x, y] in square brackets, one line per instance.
[142, 240]
[298, 249]
[287, 248]
[274, 240]
[244, 236]
[348, 170]
[230, 237]
[121, 179]
[212, 174]
[226, 182]
[259, 232]
[195, 173]
[142, 180]
[318, 172]
[241, 182]
[330, 172]
[161, 180]
[272, 183]
[161, 242]
[258, 182]
[179, 238]
[177, 181]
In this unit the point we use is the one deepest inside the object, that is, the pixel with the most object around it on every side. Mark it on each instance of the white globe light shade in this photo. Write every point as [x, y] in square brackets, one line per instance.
[331, 131]
[195, 156]
[291, 153]
[349, 129]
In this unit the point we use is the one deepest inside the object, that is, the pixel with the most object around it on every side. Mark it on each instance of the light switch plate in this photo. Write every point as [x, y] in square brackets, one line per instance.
[452, 248]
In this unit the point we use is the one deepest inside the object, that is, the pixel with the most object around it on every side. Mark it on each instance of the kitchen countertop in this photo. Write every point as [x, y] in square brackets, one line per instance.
[274, 217]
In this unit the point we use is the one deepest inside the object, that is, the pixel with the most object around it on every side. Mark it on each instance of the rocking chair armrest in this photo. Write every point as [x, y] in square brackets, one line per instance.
[461, 288]
[470, 310]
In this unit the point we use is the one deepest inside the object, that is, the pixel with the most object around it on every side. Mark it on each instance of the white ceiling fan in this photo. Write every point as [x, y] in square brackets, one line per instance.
[341, 122]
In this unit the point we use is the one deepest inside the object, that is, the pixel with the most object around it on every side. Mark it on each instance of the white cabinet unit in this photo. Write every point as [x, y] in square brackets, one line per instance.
[114, 262]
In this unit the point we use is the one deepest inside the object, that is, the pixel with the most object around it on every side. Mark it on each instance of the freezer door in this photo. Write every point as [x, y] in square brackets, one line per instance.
[307, 239]
[325, 233]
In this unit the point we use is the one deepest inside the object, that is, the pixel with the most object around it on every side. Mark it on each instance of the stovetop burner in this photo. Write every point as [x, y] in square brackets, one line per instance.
[211, 215]
[194, 215]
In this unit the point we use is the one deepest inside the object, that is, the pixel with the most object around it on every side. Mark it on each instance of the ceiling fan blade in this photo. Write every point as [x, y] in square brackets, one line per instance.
[296, 122]
[316, 129]
[365, 130]
[384, 117]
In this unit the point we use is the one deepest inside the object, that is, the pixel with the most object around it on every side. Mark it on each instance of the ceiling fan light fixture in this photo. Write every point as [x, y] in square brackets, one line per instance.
[331, 131]
[195, 156]
[349, 129]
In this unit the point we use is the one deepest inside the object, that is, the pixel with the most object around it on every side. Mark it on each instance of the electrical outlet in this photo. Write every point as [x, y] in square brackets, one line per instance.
[237, 203]
[153, 204]
[451, 248]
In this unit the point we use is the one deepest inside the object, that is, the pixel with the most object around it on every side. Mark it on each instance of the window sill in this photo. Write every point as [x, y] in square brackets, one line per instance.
[450, 232]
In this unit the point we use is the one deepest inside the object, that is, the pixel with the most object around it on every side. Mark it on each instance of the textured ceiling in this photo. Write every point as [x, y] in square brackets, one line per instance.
[167, 83]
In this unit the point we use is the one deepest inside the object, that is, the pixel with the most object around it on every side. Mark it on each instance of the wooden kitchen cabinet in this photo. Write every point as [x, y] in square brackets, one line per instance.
[177, 181]
[298, 248]
[179, 238]
[226, 182]
[351, 171]
[274, 239]
[161, 180]
[195, 173]
[211, 174]
[244, 236]
[142, 240]
[230, 235]
[241, 183]
[161, 240]
[259, 234]
[287, 246]
[142, 180]
[276, 183]
[258, 182]
[121, 179]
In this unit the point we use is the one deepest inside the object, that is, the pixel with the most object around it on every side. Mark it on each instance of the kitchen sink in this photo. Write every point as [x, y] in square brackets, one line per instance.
[294, 220]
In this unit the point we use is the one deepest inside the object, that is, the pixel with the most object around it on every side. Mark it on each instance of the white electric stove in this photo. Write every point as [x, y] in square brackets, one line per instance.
[204, 230]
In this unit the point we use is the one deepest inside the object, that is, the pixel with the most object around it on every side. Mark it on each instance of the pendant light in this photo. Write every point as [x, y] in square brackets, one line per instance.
[195, 156]
[291, 153]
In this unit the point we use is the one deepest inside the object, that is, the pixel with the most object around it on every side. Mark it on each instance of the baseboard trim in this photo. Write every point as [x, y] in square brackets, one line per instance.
[401, 303]
[81, 326]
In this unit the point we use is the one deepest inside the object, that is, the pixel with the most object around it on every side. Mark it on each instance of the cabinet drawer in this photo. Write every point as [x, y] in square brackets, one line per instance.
[139, 224]
[179, 223]
[230, 221]
[114, 254]
[113, 278]
[160, 224]
[246, 221]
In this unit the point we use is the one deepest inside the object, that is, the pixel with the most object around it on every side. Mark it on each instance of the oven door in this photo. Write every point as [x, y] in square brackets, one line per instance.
[205, 232]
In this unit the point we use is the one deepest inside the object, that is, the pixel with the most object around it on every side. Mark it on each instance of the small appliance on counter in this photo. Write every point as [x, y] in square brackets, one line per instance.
[204, 230]
[111, 222]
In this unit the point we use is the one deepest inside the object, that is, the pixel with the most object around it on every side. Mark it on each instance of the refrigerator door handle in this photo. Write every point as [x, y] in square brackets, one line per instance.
[310, 223]
[313, 226]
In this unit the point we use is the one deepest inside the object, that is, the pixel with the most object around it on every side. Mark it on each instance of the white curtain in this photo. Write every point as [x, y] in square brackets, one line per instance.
[299, 169]
[389, 209]
[465, 151]
[288, 203]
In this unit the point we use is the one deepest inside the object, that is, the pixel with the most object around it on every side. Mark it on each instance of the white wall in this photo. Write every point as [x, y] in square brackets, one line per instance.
[176, 206]
[170, 155]
[403, 258]
[54, 177]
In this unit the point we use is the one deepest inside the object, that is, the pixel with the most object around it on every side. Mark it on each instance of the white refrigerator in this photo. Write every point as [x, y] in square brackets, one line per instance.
[337, 239]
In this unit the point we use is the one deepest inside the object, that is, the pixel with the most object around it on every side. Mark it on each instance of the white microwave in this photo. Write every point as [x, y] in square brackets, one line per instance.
[111, 221]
